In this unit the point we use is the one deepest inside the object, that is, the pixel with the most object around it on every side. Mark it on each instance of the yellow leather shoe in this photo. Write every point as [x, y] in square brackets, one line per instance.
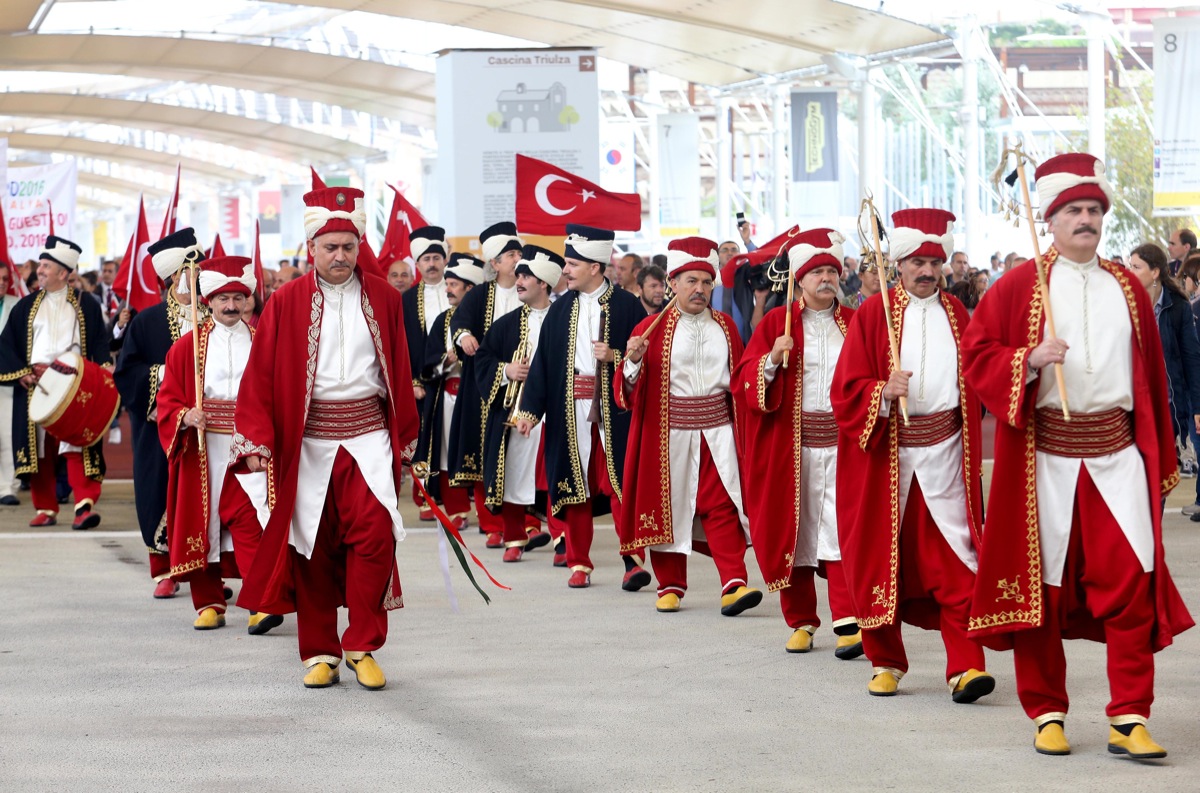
[370, 676]
[739, 600]
[1051, 740]
[668, 603]
[971, 686]
[849, 647]
[883, 684]
[209, 619]
[799, 642]
[322, 675]
[1137, 744]
[260, 623]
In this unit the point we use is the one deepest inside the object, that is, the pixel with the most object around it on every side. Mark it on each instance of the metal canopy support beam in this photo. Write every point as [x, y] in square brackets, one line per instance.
[866, 137]
[780, 159]
[968, 45]
[724, 166]
[1094, 24]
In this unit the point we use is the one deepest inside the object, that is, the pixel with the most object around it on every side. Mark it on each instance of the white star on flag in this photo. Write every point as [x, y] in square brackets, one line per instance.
[586, 194]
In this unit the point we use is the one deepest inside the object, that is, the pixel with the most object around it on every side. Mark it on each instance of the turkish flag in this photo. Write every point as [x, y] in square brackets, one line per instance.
[217, 251]
[170, 219]
[404, 218]
[137, 282]
[259, 296]
[548, 198]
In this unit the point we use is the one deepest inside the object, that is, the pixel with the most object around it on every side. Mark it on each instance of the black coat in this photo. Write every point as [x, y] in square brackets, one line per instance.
[497, 351]
[427, 372]
[551, 384]
[147, 338]
[1181, 350]
[15, 345]
[474, 316]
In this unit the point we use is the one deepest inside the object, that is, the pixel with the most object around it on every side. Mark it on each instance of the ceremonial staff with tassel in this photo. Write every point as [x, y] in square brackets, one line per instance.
[1017, 151]
[871, 215]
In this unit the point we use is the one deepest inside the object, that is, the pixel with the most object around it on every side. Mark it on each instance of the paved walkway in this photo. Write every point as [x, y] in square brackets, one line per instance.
[547, 689]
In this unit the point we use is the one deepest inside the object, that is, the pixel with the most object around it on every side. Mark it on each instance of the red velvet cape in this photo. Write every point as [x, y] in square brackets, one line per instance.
[646, 506]
[273, 407]
[771, 422]
[188, 497]
[868, 474]
[1006, 327]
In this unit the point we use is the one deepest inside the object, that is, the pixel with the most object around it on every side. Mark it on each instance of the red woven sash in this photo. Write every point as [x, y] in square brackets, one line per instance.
[218, 415]
[340, 420]
[1085, 435]
[698, 413]
[817, 430]
[932, 429]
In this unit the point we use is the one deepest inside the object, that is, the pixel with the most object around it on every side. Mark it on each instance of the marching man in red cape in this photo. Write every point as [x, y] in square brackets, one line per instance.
[326, 408]
[790, 476]
[908, 486]
[211, 514]
[681, 464]
[1073, 545]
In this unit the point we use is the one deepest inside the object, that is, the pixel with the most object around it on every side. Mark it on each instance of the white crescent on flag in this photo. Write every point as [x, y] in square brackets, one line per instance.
[543, 200]
[143, 257]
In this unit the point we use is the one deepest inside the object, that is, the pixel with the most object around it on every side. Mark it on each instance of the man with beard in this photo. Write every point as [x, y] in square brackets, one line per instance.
[909, 501]
[1073, 545]
[147, 338]
[791, 494]
[440, 374]
[682, 464]
[652, 288]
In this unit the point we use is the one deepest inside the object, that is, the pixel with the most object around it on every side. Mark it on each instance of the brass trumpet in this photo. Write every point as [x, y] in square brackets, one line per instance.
[515, 388]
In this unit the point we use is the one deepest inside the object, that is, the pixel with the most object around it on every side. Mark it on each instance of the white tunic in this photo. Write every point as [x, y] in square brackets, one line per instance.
[587, 332]
[347, 369]
[1092, 316]
[699, 367]
[817, 536]
[447, 372]
[506, 301]
[224, 365]
[520, 460]
[55, 331]
[929, 351]
[436, 302]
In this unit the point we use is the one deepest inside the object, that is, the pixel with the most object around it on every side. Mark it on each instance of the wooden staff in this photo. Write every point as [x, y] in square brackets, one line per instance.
[787, 321]
[1043, 286]
[195, 279]
[887, 303]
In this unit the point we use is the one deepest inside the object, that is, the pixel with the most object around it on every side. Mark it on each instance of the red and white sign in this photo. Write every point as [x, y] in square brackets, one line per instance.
[231, 217]
[548, 198]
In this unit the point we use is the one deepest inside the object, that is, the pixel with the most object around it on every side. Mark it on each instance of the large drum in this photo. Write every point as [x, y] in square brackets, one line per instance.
[75, 400]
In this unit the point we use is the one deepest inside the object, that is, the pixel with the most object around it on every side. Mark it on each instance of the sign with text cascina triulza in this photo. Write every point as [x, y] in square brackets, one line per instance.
[1176, 132]
[495, 104]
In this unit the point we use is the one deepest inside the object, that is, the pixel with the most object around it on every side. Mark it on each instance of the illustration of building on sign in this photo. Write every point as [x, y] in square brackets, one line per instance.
[533, 110]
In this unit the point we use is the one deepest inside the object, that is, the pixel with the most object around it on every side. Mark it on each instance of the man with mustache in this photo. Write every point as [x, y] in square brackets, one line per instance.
[909, 502]
[215, 518]
[440, 372]
[510, 459]
[1073, 544]
[682, 462]
[790, 481]
[571, 383]
[326, 409]
[422, 306]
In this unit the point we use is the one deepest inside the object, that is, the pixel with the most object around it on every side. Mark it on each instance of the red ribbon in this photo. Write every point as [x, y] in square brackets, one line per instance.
[451, 529]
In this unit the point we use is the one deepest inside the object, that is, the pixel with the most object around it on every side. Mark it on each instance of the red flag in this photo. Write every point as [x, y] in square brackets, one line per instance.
[50, 213]
[317, 182]
[16, 284]
[404, 218]
[217, 248]
[169, 219]
[548, 198]
[760, 255]
[258, 269]
[136, 282]
[368, 261]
